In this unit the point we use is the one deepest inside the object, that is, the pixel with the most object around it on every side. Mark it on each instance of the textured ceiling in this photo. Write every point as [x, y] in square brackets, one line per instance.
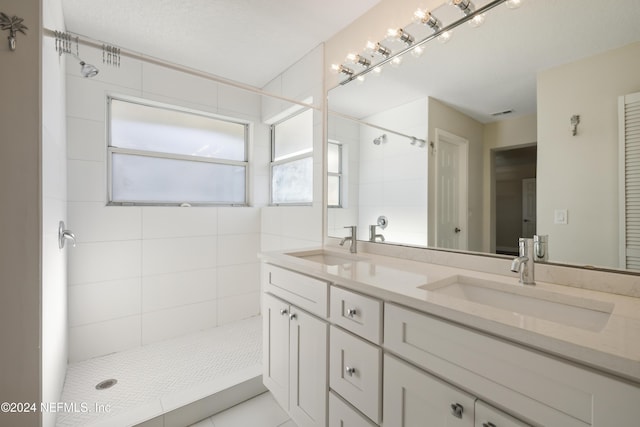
[250, 41]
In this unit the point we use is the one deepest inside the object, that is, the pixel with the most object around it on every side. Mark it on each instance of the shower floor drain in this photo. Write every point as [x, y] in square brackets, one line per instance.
[103, 385]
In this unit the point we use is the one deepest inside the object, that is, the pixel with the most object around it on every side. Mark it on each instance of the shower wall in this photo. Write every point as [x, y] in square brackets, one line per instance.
[145, 274]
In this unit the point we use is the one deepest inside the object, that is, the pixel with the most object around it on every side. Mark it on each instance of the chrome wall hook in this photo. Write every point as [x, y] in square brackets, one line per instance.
[575, 121]
[64, 235]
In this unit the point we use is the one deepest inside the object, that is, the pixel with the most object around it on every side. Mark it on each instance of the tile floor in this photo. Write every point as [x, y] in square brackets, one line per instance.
[261, 411]
[151, 376]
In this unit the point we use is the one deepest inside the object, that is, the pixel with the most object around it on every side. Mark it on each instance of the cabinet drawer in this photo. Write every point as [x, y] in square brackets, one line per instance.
[488, 416]
[357, 313]
[537, 388]
[414, 398]
[306, 292]
[355, 371]
[343, 415]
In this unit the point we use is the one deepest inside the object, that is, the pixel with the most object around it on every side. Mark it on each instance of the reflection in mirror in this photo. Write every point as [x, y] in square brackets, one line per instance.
[495, 105]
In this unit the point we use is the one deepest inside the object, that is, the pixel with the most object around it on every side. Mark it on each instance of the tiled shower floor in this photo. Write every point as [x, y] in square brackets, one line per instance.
[156, 378]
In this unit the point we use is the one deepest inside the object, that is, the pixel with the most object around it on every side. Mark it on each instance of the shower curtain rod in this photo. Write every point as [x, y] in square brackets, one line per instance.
[87, 41]
[384, 129]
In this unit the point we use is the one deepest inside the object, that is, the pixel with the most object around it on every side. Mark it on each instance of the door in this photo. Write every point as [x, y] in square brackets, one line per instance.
[451, 191]
[528, 207]
[414, 398]
[275, 349]
[308, 369]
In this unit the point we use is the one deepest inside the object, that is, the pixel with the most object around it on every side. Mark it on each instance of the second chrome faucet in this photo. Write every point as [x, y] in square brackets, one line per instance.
[524, 263]
[352, 239]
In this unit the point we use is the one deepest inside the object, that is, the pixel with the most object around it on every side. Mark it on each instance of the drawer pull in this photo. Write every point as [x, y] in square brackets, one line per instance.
[350, 371]
[292, 316]
[456, 410]
[488, 424]
[351, 312]
[283, 311]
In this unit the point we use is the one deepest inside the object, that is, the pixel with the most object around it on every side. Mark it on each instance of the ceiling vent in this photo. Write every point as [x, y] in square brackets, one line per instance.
[502, 113]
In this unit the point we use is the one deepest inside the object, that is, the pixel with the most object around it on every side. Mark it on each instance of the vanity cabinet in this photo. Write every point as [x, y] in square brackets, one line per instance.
[295, 360]
[411, 396]
[341, 358]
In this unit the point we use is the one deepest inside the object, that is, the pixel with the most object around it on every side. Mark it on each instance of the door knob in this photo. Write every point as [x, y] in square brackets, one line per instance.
[283, 311]
[457, 230]
[349, 370]
[292, 316]
[351, 312]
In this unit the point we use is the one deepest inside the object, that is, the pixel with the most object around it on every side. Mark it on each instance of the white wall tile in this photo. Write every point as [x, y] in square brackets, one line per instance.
[98, 262]
[165, 324]
[163, 222]
[272, 220]
[177, 289]
[238, 220]
[95, 222]
[98, 339]
[155, 79]
[238, 280]
[160, 256]
[303, 222]
[54, 180]
[87, 98]
[98, 302]
[86, 139]
[232, 101]
[86, 181]
[270, 242]
[238, 307]
[238, 249]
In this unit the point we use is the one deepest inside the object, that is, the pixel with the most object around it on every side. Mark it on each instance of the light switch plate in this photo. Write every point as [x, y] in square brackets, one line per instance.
[560, 216]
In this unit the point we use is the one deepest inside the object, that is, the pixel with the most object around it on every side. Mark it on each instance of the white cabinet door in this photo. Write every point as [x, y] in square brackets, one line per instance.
[308, 369]
[488, 416]
[275, 348]
[412, 397]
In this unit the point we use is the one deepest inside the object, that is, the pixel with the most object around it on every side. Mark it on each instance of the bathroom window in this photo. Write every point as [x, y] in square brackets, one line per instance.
[164, 155]
[292, 160]
[334, 174]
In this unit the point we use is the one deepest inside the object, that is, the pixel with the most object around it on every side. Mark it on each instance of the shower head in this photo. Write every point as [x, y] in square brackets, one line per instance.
[88, 70]
[380, 139]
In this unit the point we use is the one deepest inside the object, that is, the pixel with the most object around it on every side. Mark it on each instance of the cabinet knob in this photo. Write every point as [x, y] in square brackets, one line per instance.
[488, 424]
[349, 370]
[283, 311]
[292, 316]
[456, 410]
[351, 312]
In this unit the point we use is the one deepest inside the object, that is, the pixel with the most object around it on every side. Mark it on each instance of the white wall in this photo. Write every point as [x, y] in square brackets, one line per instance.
[580, 173]
[20, 220]
[54, 209]
[289, 227]
[393, 175]
[144, 274]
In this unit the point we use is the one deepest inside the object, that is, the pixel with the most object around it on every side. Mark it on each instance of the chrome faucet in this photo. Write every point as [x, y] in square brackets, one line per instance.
[524, 263]
[372, 234]
[353, 242]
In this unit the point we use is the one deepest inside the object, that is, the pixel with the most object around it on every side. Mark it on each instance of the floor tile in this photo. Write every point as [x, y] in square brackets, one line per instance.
[261, 411]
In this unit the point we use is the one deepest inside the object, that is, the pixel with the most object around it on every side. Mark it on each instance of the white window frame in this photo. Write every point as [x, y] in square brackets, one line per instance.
[111, 150]
[338, 174]
[286, 160]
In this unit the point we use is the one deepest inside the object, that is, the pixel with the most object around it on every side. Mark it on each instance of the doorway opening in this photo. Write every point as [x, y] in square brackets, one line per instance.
[514, 187]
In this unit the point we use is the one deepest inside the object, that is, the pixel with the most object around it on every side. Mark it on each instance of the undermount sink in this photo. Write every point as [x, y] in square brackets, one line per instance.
[529, 301]
[326, 257]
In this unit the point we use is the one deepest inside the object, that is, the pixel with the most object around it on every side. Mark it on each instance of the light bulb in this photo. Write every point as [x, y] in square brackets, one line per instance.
[376, 71]
[444, 37]
[395, 62]
[392, 33]
[360, 79]
[417, 51]
[477, 20]
[335, 68]
[351, 57]
[513, 4]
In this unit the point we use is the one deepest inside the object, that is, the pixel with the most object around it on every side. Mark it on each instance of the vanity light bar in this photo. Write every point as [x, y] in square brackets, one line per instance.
[388, 57]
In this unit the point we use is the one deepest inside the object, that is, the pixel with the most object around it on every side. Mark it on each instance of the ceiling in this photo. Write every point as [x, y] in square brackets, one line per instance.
[249, 41]
[494, 67]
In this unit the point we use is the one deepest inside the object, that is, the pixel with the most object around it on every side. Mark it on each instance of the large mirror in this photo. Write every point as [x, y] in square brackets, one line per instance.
[505, 130]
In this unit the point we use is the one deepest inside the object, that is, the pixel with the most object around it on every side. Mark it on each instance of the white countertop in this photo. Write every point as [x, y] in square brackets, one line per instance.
[614, 348]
